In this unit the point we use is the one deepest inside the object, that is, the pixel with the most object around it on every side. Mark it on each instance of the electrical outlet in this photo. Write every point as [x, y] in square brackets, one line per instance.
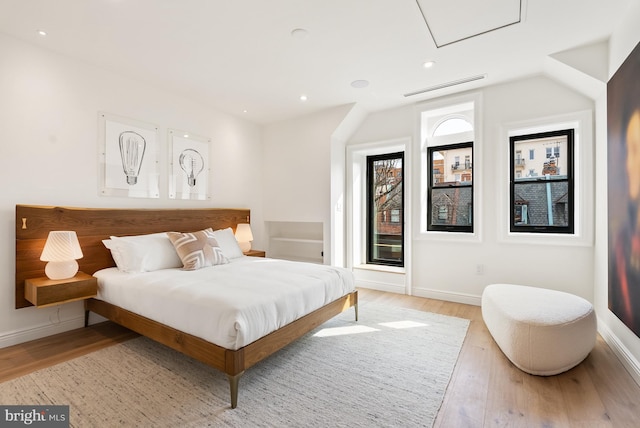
[480, 269]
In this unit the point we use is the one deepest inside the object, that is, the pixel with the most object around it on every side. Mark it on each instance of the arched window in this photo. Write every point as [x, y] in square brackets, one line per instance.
[451, 126]
[448, 135]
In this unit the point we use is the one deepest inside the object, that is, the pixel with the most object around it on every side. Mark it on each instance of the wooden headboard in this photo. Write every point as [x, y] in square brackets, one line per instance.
[92, 225]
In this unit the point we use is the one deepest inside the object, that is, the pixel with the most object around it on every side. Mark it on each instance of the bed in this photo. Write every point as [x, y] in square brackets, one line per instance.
[234, 356]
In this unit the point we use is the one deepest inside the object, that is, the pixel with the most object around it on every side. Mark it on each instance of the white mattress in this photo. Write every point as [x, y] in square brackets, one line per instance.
[230, 305]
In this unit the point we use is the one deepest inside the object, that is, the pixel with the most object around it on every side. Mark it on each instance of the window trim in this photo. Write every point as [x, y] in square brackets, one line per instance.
[529, 228]
[355, 205]
[582, 124]
[424, 111]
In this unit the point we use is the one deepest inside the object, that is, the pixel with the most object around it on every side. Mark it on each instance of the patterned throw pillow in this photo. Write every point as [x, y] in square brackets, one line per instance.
[197, 249]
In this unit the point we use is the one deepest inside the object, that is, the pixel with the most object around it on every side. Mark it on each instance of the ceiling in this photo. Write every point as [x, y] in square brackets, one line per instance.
[255, 58]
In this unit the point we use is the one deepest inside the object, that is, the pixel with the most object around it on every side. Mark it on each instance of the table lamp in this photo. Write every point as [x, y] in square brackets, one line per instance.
[61, 251]
[244, 236]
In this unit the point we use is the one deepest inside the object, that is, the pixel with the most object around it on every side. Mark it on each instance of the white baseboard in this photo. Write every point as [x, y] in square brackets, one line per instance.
[20, 336]
[626, 358]
[467, 299]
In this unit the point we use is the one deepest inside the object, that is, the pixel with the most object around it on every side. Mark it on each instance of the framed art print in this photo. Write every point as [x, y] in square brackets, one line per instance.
[128, 157]
[189, 166]
[623, 125]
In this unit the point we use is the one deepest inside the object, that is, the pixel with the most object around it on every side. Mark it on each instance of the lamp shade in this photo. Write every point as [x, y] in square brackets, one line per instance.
[61, 251]
[244, 236]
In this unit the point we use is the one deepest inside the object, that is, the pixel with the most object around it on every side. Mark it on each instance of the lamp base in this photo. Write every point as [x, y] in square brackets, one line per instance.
[61, 270]
[245, 246]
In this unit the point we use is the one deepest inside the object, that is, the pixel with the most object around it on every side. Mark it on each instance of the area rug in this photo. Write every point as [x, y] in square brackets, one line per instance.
[391, 368]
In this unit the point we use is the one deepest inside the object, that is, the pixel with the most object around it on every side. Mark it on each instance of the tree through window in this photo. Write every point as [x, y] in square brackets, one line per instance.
[385, 207]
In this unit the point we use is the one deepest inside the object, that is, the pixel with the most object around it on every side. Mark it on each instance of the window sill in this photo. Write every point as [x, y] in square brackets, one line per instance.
[559, 239]
[382, 268]
[448, 236]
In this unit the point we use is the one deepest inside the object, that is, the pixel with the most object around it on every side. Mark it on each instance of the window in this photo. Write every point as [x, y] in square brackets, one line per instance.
[443, 212]
[451, 199]
[542, 200]
[385, 206]
[395, 216]
[532, 154]
[520, 213]
[553, 152]
[450, 192]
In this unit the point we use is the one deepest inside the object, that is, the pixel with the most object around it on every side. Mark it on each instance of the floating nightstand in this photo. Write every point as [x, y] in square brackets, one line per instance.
[44, 292]
[255, 253]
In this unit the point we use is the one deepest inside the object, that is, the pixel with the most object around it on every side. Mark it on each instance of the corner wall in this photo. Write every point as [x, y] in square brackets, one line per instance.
[304, 172]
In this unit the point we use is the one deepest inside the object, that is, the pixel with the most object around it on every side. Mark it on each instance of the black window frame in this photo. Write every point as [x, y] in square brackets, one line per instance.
[434, 227]
[371, 259]
[526, 227]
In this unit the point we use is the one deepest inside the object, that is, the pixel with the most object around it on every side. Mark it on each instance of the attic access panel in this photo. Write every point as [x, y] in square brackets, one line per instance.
[456, 20]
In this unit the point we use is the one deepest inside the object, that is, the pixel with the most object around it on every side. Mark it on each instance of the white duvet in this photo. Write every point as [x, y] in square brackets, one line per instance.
[230, 305]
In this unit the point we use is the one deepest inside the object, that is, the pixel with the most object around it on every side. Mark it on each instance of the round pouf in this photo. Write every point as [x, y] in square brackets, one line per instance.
[542, 332]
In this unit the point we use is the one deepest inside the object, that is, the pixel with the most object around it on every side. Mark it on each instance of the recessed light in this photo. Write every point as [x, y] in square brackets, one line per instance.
[299, 33]
[360, 83]
[42, 32]
[428, 64]
[244, 111]
[303, 97]
[186, 135]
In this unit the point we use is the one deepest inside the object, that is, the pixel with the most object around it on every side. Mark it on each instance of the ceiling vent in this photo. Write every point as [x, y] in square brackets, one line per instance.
[446, 85]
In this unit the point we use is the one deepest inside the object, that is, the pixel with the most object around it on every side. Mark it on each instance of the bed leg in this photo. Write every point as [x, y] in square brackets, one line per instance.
[233, 388]
[355, 308]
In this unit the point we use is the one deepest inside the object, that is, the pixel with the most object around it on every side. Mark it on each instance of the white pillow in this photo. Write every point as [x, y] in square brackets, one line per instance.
[143, 253]
[227, 242]
[116, 253]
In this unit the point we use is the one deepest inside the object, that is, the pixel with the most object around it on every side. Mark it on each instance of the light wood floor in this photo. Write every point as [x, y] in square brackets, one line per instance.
[486, 390]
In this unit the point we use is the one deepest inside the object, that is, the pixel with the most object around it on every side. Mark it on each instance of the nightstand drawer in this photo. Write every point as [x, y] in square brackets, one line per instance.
[46, 292]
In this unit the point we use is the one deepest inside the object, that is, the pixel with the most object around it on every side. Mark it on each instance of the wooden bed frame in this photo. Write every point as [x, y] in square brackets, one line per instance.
[92, 225]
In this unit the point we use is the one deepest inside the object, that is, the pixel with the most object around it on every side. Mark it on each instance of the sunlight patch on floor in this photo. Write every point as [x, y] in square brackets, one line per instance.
[339, 331]
[403, 324]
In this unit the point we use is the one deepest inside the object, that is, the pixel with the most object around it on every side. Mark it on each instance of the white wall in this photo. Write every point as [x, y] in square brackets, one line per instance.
[339, 138]
[447, 269]
[49, 156]
[298, 160]
[620, 338]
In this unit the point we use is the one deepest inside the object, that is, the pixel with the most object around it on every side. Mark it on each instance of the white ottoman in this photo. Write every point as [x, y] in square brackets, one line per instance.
[543, 332]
